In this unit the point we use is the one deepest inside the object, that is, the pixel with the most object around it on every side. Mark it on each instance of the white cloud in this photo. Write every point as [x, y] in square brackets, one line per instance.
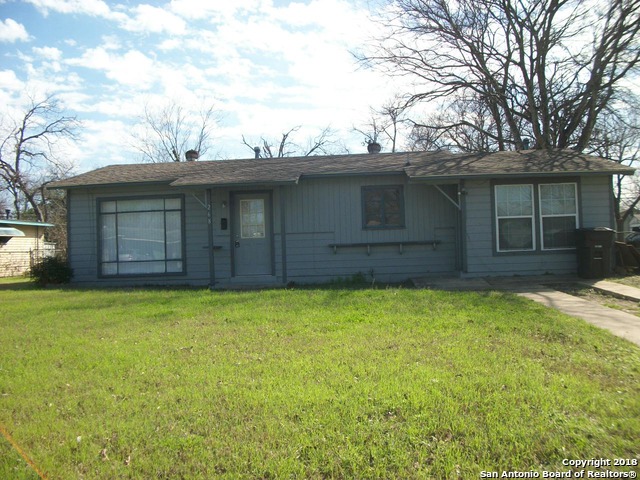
[102, 143]
[270, 67]
[9, 81]
[48, 53]
[155, 20]
[132, 68]
[96, 8]
[217, 11]
[12, 31]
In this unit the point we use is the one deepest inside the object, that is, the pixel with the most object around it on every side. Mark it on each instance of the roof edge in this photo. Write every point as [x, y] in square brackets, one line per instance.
[25, 223]
[116, 184]
[521, 174]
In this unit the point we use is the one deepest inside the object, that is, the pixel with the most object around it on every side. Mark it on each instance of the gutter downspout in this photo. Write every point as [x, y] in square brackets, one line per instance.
[212, 266]
[462, 222]
[283, 235]
[68, 227]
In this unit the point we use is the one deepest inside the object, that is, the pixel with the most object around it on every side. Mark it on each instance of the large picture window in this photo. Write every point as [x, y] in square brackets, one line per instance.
[141, 236]
[383, 207]
[550, 207]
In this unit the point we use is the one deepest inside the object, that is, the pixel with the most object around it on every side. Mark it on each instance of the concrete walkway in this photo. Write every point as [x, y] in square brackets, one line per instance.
[619, 323]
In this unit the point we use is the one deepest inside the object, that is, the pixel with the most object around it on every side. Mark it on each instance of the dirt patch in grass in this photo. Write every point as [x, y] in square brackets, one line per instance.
[597, 296]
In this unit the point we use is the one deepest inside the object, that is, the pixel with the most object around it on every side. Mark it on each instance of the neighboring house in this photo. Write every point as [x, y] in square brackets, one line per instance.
[632, 223]
[311, 219]
[21, 245]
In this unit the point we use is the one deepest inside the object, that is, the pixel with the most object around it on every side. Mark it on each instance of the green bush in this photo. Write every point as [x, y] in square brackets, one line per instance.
[54, 270]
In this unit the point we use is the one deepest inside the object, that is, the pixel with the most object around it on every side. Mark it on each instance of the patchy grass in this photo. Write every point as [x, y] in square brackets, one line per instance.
[309, 383]
[15, 282]
[631, 280]
[597, 296]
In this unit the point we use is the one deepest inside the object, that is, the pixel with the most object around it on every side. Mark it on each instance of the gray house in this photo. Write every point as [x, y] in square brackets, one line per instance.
[312, 219]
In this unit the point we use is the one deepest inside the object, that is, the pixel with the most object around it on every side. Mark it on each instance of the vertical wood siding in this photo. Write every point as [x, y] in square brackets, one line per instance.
[595, 211]
[83, 237]
[317, 213]
[321, 212]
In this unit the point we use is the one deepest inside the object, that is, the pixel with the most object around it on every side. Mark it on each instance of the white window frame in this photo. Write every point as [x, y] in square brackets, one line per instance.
[531, 217]
[542, 216]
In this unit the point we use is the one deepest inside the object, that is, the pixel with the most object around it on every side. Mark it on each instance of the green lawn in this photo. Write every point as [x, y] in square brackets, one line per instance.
[306, 383]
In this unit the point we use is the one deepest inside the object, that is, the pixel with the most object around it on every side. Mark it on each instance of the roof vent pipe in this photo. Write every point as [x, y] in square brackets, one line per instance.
[257, 151]
[191, 155]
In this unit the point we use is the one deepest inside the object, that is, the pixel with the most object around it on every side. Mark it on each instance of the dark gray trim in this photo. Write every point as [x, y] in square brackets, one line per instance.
[116, 198]
[111, 185]
[210, 237]
[232, 233]
[314, 176]
[612, 208]
[273, 233]
[507, 176]
[68, 197]
[257, 184]
[458, 236]
[364, 189]
[283, 235]
[463, 227]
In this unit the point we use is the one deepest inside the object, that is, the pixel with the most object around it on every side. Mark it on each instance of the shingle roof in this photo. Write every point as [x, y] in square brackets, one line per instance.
[415, 165]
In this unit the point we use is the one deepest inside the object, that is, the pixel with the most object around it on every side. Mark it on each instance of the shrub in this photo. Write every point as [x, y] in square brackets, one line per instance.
[54, 270]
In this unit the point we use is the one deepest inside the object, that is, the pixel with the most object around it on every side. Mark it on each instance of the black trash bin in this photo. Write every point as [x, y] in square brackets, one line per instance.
[594, 247]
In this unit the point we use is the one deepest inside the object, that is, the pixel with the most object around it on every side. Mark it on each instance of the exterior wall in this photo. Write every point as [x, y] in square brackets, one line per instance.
[317, 212]
[309, 216]
[83, 237]
[595, 210]
[17, 253]
[321, 212]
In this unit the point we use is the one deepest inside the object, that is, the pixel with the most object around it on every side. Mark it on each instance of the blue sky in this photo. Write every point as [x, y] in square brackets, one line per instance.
[266, 65]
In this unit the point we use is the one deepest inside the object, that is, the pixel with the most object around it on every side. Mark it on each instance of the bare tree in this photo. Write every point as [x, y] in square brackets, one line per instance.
[29, 158]
[165, 134]
[384, 123]
[392, 114]
[321, 144]
[56, 213]
[617, 136]
[466, 126]
[373, 130]
[542, 68]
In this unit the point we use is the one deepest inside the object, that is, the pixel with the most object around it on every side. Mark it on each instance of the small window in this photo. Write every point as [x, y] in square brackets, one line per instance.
[383, 207]
[514, 218]
[252, 220]
[558, 215]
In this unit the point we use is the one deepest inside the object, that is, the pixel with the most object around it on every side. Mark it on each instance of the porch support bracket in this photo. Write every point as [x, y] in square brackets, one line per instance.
[456, 204]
